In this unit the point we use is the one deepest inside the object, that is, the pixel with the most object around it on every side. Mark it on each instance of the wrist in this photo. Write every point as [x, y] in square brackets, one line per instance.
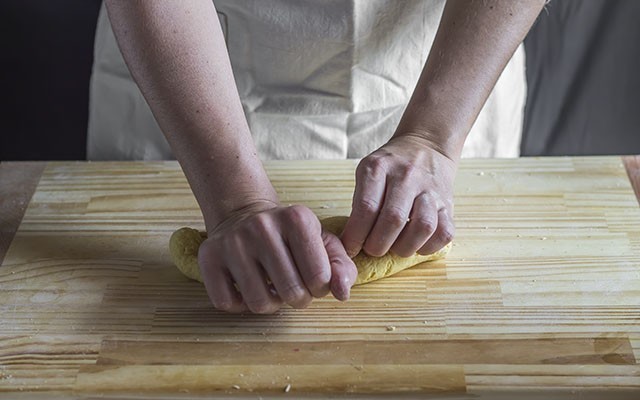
[214, 221]
[426, 118]
[241, 184]
[226, 176]
[445, 144]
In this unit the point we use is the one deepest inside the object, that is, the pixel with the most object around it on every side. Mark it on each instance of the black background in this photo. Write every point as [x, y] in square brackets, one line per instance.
[46, 59]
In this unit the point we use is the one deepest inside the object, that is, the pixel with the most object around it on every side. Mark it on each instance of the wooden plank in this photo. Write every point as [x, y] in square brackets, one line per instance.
[418, 352]
[245, 379]
[540, 291]
[575, 379]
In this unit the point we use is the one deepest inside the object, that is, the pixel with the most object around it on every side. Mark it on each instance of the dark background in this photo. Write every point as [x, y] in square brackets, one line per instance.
[46, 59]
[583, 63]
[583, 73]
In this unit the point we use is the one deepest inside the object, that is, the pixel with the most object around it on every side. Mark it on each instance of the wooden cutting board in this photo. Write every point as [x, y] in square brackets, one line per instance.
[541, 291]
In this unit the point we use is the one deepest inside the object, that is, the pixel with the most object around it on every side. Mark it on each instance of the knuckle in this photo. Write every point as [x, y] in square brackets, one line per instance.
[229, 241]
[260, 224]
[424, 224]
[394, 216]
[235, 245]
[426, 197]
[371, 167]
[407, 170]
[298, 214]
[367, 206]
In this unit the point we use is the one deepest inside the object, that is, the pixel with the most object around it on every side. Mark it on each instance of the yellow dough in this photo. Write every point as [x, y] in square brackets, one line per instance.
[374, 268]
[183, 246]
[185, 242]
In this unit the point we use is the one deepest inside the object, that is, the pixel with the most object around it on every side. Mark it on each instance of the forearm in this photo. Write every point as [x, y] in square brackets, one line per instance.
[176, 53]
[475, 40]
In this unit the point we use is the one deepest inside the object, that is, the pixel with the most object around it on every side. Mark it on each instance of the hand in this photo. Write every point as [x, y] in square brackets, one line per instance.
[403, 200]
[266, 255]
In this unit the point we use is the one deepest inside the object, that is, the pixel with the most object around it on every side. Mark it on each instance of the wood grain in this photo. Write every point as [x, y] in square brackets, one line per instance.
[420, 352]
[540, 292]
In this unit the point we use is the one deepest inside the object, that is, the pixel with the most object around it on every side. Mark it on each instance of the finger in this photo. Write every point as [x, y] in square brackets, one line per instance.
[393, 217]
[367, 201]
[343, 270]
[442, 236]
[282, 271]
[423, 221]
[218, 283]
[307, 249]
[252, 282]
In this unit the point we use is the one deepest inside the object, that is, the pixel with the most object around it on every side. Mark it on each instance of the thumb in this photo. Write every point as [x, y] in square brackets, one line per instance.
[343, 270]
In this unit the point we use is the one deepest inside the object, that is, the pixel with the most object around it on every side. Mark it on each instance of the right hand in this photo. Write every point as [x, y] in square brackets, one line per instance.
[266, 255]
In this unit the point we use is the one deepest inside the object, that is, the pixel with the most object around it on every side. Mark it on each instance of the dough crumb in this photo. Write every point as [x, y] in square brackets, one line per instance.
[287, 388]
[236, 387]
[391, 328]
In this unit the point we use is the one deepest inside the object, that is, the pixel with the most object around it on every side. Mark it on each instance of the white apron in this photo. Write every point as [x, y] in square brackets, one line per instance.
[317, 79]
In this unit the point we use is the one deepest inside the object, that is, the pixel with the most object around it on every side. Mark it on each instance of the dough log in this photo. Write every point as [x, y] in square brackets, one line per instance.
[185, 242]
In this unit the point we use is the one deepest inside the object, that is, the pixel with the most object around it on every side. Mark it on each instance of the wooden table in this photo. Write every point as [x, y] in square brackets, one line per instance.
[540, 294]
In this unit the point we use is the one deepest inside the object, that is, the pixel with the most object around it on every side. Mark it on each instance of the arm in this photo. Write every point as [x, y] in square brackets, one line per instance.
[176, 53]
[404, 191]
[474, 43]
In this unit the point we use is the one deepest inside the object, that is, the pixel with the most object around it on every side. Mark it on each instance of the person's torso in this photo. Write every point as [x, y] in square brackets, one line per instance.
[317, 79]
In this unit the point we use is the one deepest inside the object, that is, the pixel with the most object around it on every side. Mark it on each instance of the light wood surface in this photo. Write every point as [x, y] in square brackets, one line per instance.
[540, 292]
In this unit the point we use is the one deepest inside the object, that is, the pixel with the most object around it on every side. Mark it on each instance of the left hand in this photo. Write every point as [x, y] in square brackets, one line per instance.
[403, 200]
